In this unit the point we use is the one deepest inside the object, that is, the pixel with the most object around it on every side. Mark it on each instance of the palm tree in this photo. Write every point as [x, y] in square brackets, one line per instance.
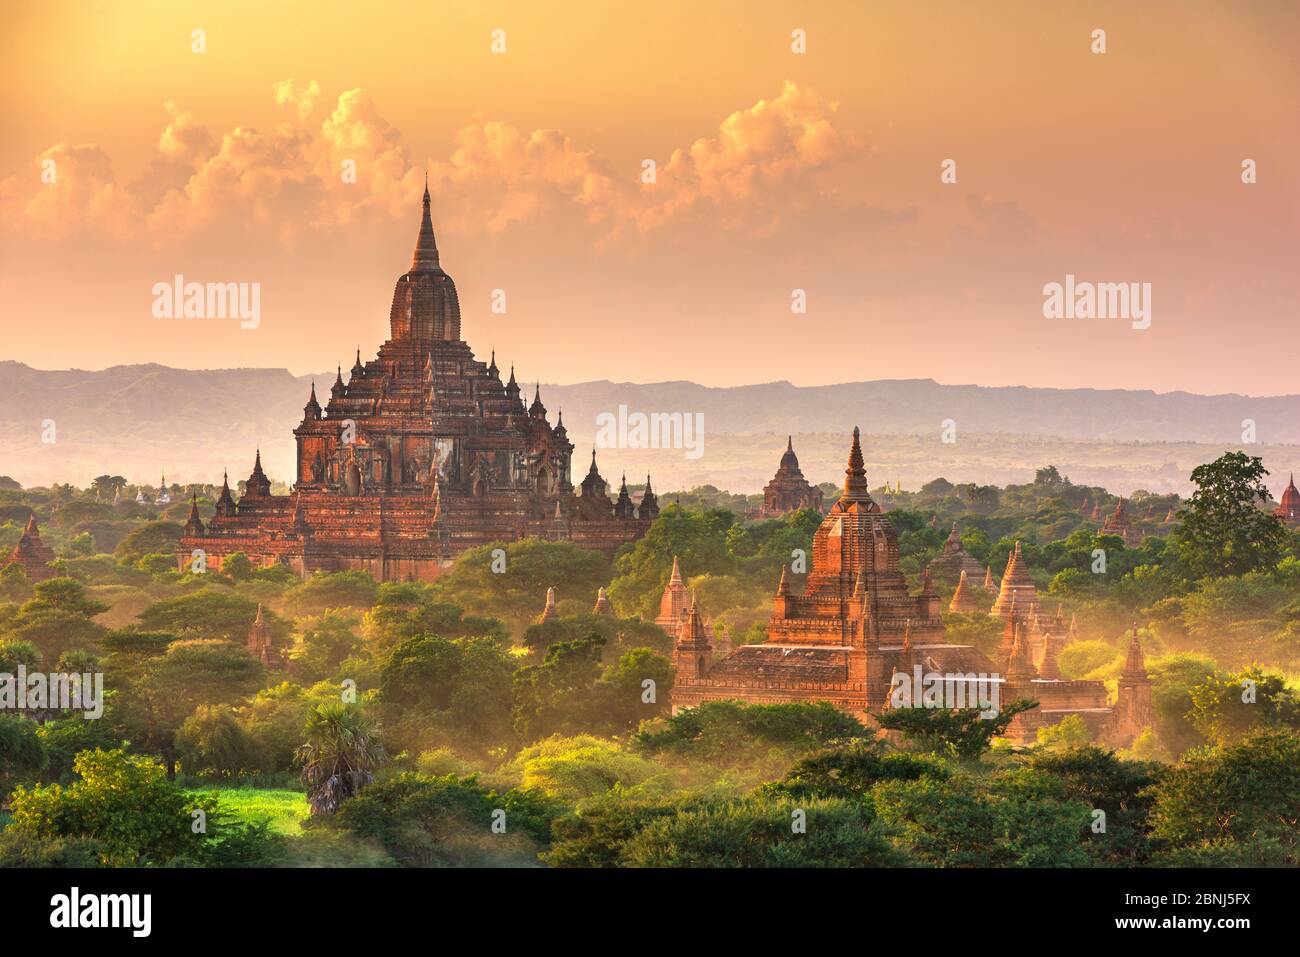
[340, 755]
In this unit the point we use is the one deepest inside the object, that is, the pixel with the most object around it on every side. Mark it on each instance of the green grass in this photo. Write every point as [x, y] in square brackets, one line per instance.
[283, 808]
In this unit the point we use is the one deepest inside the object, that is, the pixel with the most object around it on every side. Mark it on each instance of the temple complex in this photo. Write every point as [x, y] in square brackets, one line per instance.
[421, 454]
[32, 554]
[856, 624]
[1117, 523]
[1288, 511]
[789, 491]
[954, 562]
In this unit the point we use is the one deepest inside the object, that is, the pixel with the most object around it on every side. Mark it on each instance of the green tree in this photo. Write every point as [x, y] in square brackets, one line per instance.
[139, 818]
[149, 538]
[22, 752]
[1234, 805]
[1224, 530]
[339, 756]
[962, 732]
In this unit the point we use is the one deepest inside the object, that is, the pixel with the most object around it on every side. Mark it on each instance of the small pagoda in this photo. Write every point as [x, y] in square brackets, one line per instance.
[32, 554]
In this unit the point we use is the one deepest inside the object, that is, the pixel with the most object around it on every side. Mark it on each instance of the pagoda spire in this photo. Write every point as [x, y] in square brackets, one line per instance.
[1136, 664]
[855, 476]
[425, 257]
[676, 577]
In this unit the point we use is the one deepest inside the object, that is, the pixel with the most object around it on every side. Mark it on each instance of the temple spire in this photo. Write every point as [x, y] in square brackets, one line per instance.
[425, 257]
[855, 476]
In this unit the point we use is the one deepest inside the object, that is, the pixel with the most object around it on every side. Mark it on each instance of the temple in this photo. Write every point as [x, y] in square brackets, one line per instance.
[422, 453]
[789, 491]
[32, 554]
[1117, 523]
[260, 645]
[1288, 511]
[674, 604]
[954, 562]
[856, 625]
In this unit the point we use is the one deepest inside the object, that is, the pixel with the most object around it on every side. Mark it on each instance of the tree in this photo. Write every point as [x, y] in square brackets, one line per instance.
[22, 752]
[212, 742]
[1225, 707]
[326, 643]
[851, 771]
[550, 697]
[137, 817]
[1049, 475]
[757, 832]
[340, 755]
[1224, 529]
[214, 613]
[961, 732]
[149, 538]
[1234, 805]
[447, 821]
[459, 685]
[159, 693]
[1122, 789]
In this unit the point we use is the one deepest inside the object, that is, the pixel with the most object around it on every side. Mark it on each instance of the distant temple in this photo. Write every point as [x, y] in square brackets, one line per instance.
[963, 600]
[954, 561]
[550, 612]
[856, 625]
[163, 498]
[1288, 512]
[1117, 523]
[603, 606]
[260, 645]
[789, 491]
[675, 603]
[32, 554]
[1017, 589]
[420, 455]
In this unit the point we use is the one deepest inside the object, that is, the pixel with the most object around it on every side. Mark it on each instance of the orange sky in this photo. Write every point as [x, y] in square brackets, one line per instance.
[776, 171]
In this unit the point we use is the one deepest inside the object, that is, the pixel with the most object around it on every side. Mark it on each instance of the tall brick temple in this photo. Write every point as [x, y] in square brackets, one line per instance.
[422, 453]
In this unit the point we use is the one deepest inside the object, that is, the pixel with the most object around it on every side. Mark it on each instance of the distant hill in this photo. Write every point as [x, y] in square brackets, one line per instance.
[141, 419]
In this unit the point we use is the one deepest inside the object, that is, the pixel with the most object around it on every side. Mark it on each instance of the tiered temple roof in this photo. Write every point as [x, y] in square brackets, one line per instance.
[1117, 523]
[963, 599]
[954, 561]
[675, 603]
[32, 554]
[1017, 589]
[1288, 510]
[789, 491]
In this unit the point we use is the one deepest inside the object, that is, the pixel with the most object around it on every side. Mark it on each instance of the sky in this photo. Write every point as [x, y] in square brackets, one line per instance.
[775, 172]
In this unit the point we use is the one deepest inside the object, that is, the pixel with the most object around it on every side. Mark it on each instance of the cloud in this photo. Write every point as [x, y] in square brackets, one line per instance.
[289, 177]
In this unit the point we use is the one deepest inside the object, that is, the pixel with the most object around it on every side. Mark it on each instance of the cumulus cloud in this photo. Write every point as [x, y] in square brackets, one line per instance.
[289, 176]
